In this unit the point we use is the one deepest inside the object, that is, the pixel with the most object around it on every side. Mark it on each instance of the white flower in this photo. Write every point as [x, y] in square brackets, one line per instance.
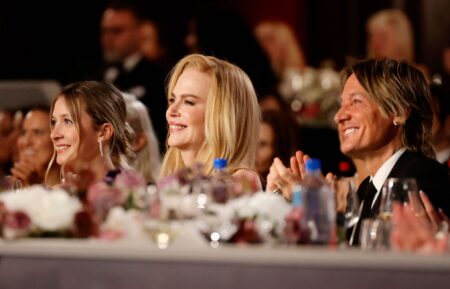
[49, 210]
[127, 222]
[260, 205]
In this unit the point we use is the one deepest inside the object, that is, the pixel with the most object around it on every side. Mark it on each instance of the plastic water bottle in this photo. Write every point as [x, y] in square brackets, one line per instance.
[295, 229]
[221, 188]
[319, 203]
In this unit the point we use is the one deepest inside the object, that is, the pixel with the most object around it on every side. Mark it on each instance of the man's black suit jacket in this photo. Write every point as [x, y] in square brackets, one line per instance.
[431, 177]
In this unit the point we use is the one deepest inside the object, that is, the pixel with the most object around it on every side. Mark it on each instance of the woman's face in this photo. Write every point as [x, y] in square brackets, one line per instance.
[34, 142]
[362, 128]
[186, 112]
[65, 136]
[265, 150]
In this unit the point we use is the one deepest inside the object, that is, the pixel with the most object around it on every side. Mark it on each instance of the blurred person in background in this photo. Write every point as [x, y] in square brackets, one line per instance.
[35, 147]
[221, 32]
[10, 124]
[277, 138]
[446, 62]
[6, 130]
[125, 65]
[390, 35]
[441, 123]
[152, 45]
[311, 93]
[442, 76]
[145, 143]
[284, 51]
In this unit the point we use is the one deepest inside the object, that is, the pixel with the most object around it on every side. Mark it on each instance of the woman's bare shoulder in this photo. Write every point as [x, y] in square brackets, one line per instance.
[250, 175]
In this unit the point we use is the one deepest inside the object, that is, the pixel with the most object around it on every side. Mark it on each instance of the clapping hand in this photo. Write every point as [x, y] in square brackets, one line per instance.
[28, 172]
[412, 233]
[282, 178]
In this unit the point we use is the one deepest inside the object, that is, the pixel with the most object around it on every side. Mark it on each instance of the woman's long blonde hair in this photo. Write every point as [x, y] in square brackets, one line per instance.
[231, 119]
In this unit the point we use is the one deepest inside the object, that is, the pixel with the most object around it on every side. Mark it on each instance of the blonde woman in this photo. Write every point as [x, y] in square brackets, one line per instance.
[213, 113]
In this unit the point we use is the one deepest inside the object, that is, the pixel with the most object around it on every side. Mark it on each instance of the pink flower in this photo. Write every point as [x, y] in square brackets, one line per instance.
[101, 198]
[16, 225]
[128, 181]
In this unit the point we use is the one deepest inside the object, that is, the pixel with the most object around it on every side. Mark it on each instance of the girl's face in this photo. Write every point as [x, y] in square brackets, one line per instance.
[69, 144]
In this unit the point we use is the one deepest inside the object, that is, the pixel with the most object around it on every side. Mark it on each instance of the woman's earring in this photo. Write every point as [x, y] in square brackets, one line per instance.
[396, 123]
[100, 146]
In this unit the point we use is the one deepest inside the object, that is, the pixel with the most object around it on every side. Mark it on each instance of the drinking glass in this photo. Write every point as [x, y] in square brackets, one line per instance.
[13, 184]
[375, 234]
[162, 232]
[350, 203]
[157, 225]
[403, 190]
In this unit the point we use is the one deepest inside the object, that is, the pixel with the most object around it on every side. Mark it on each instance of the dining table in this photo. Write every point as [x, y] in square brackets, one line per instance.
[93, 263]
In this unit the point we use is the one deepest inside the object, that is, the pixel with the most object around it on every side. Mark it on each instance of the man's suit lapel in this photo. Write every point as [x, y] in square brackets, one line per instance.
[398, 171]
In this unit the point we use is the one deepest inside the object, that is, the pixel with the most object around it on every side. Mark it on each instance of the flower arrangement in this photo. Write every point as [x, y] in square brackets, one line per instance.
[37, 211]
[77, 209]
[250, 218]
[227, 209]
[124, 189]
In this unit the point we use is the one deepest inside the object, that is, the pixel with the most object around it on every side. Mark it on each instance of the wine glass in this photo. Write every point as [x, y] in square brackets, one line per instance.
[403, 190]
[13, 184]
[375, 234]
[157, 224]
[162, 232]
[346, 190]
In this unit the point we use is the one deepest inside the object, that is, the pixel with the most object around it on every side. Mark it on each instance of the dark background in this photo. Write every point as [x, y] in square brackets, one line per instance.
[59, 40]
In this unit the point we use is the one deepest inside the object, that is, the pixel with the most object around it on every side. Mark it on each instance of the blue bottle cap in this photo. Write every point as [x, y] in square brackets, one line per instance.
[220, 163]
[313, 165]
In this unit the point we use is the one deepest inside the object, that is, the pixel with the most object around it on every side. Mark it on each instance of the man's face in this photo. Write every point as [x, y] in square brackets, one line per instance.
[119, 35]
